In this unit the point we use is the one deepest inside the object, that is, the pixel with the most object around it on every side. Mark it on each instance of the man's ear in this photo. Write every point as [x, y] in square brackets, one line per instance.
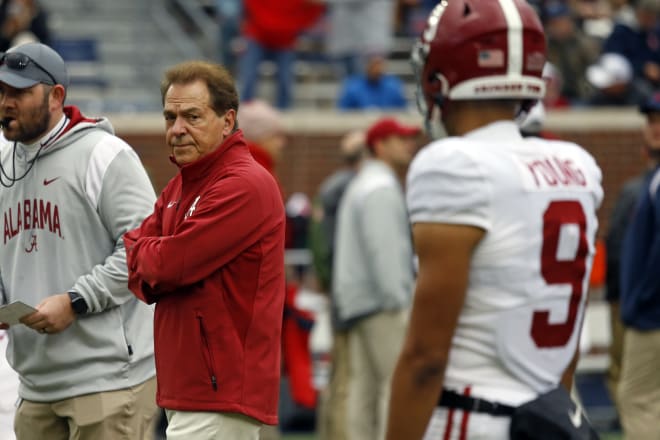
[58, 94]
[229, 122]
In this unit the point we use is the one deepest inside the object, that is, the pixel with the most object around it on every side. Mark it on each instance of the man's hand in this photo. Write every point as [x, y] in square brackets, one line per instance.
[53, 315]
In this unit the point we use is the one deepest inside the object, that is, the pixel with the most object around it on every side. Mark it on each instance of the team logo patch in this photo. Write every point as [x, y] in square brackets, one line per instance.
[192, 208]
[490, 58]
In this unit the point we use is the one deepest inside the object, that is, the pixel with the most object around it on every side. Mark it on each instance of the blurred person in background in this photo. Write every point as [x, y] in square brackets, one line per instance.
[271, 29]
[8, 392]
[504, 230]
[639, 383]
[264, 132]
[622, 11]
[71, 188]
[613, 82]
[333, 411]
[554, 81]
[23, 21]
[358, 28]
[266, 136]
[219, 296]
[373, 273]
[622, 212]
[352, 150]
[229, 14]
[375, 89]
[569, 50]
[639, 42]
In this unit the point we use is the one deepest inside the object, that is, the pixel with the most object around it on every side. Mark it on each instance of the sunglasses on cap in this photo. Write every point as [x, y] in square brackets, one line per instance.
[19, 61]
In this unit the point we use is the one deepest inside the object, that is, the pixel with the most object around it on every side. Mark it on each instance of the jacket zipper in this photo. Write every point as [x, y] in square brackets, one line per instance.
[210, 365]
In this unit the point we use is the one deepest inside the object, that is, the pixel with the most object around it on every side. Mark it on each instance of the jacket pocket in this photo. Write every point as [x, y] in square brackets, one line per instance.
[207, 352]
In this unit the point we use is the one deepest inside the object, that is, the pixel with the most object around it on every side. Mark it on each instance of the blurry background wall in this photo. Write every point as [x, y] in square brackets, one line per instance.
[613, 136]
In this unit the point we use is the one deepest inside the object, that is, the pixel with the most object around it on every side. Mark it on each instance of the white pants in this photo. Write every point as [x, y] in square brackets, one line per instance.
[456, 424]
[8, 392]
[186, 425]
[466, 425]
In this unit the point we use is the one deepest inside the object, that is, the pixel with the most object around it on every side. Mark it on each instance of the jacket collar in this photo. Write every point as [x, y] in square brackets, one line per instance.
[202, 166]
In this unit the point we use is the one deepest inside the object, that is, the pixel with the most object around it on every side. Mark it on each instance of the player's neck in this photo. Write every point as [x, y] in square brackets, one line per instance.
[466, 116]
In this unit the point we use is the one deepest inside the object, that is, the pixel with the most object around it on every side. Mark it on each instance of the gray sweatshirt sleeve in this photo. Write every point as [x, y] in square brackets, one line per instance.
[124, 196]
[388, 246]
[3, 296]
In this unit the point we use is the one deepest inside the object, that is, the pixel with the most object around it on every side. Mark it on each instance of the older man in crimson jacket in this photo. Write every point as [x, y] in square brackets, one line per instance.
[211, 257]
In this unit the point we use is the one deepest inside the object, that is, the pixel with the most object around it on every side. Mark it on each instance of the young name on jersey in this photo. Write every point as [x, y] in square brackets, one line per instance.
[552, 172]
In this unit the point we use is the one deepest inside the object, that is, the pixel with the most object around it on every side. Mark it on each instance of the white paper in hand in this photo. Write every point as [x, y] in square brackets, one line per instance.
[12, 312]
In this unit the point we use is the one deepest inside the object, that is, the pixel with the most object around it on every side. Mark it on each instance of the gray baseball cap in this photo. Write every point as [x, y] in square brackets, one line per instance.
[32, 63]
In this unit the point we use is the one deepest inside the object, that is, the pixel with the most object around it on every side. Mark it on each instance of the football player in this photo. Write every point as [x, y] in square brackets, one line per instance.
[504, 230]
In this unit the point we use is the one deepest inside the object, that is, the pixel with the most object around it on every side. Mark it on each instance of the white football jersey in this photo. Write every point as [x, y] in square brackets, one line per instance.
[536, 199]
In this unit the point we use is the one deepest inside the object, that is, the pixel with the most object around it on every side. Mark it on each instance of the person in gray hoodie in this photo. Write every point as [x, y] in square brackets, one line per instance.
[70, 190]
[373, 278]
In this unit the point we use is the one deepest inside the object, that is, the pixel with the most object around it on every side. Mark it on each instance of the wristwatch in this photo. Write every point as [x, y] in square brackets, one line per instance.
[78, 303]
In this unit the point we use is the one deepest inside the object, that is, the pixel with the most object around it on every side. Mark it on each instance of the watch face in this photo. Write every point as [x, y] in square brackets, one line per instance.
[79, 306]
[78, 303]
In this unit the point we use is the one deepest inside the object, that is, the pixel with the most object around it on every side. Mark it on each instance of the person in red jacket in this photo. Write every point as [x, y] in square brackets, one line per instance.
[265, 133]
[271, 29]
[211, 257]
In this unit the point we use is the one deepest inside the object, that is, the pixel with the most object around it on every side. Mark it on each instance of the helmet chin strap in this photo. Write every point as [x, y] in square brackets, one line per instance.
[434, 125]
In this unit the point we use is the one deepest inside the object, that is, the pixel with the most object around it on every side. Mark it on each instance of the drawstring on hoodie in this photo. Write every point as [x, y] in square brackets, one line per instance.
[13, 179]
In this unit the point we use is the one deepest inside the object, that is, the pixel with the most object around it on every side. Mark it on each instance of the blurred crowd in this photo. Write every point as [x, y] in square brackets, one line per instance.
[600, 52]
[22, 21]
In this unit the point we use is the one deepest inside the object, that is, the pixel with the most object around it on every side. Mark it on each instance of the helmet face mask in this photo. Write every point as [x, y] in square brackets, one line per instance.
[429, 103]
[479, 50]
[418, 60]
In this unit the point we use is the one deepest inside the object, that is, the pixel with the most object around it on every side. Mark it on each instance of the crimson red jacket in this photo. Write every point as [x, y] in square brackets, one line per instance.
[211, 257]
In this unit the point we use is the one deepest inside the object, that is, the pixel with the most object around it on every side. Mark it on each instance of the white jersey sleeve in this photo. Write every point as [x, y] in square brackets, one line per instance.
[455, 192]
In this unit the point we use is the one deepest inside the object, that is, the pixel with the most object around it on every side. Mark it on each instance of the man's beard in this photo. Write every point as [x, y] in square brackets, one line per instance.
[34, 125]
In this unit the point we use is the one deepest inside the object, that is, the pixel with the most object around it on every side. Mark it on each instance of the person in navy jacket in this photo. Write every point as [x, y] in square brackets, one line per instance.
[640, 296]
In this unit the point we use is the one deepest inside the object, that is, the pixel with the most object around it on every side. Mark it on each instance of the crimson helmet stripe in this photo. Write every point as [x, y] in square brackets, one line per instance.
[515, 36]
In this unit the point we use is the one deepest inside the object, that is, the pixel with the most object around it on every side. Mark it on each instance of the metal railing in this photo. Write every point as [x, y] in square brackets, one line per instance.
[203, 42]
[202, 45]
